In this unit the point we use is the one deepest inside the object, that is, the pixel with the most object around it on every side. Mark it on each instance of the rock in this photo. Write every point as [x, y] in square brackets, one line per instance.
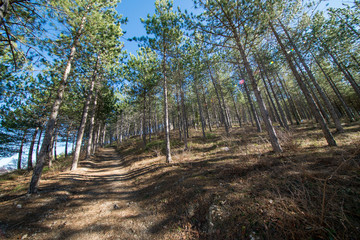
[19, 206]
[253, 236]
[190, 211]
[215, 217]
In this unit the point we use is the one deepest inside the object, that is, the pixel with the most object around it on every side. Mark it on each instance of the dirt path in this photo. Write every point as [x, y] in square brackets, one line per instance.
[97, 201]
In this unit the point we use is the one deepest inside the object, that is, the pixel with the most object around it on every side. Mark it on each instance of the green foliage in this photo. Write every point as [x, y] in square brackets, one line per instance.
[142, 71]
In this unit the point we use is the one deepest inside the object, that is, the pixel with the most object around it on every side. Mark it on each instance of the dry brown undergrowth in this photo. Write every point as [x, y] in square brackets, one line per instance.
[229, 187]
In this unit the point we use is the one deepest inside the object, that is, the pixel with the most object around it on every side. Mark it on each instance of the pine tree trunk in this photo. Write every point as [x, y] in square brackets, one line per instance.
[55, 145]
[215, 114]
[67, 140]
[329, 138]
[265, 115]
[317, 101]
[226, 113]
[236, 110]
[243, 111]
[3, 10]
[31, 150]
[283, 118]
[23, 140]
[179, 114]
[253, 110]
[183, 109]
[271, 110]
[84, 117]
[250, 116]
[270, 99]
[149, 119]
[103, 136]
[117, 134]
[121, 126]
[50, 126]
[92, 127]
[290, 99]
[194, 123]
[222, 112]
[288, 114]
[200, 108]
[51, 152]
[336, 90]
[356, 61]
[166, 109]
[96, 139]
[328, 104]
[347, 76]
[38, 144]
[206, 108]
[73, 143]
[144, 121]
[155, 118]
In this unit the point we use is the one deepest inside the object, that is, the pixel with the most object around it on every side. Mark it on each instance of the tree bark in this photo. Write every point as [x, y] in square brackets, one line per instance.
[328, 104]
[346, 74]
[317, 101]
[283, 118]
[283, 100]
[290, 99]
[103, 136]
[200, 107]
[166, 106]
[67, 139]
[50, 126]
[149, 118]
[315, 110]
[23, 140]
[73, 142]
[222, 111]
[270, 99]
[265, 115]
[253, 110]
[51, 152]
[236, 110]
[179, 113]
[185, 123]
[271, 110]
[92, 127]
[55, 144]
[82, 126]
[144, 121]
[4, 5]
[121, 126]
[250, 116]
[38, 143]
[336, 90]
[206, 108]
[31, 150]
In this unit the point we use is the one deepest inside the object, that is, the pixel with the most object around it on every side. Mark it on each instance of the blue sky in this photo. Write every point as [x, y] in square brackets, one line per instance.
[136, 9]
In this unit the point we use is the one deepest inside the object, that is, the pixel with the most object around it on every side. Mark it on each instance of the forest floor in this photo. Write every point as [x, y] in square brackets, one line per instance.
[220, 188]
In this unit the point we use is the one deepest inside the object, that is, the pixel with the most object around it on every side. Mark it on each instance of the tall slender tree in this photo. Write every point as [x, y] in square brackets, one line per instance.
[164, 26]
